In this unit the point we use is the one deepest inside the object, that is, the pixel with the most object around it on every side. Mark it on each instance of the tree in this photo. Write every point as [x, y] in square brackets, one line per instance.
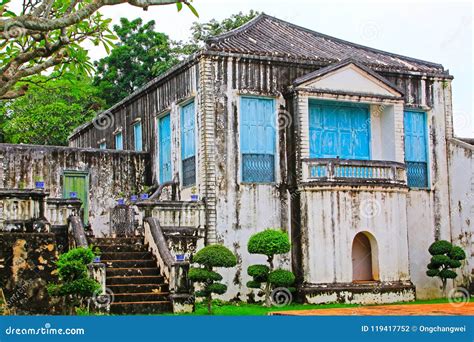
[200, 32]
[47, 34]
[140, 55]
[49, 112]
[75, 284]
[445, 258]
[270, 242]
[210, 257]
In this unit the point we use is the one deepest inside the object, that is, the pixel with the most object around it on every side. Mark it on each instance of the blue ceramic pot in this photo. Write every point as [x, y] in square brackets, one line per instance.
[133, 198]
[179, 257]
[73, 194]
[39, 185]
[121, 201]
[143, 197]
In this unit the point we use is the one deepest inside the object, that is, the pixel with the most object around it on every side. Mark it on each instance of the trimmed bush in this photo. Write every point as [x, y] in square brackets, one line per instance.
[202, 275]
[445, 258]
[440, 247]
[281, 278]
[74, 281]
[258, 272]
[270, 242]
[457, 253]
[209, 257]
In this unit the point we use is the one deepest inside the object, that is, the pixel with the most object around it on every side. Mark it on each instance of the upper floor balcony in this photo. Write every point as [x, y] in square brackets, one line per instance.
[353, 172]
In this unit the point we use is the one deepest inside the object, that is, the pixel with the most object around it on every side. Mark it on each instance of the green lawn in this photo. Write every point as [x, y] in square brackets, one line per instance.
[244, 309]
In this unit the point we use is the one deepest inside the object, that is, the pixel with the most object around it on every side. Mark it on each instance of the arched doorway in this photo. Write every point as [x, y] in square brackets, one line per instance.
[364, 258]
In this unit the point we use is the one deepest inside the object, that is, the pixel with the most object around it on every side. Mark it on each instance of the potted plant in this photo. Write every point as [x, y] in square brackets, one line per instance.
[144, 194]
[134, 198]
[39, 182]
[97, 253]
[121, 198]
[73, 195]
[194, 195]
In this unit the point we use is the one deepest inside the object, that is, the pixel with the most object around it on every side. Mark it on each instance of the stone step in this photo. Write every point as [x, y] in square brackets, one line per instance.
[134, 280]
[140, 297]
[122, 248]
[130, 263]
[117, 240]
[128, 271]
[126, 256]
[141, 307]
[138, 288]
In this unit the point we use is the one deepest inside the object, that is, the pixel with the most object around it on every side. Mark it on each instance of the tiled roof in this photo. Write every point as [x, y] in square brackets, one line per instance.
[269, 36]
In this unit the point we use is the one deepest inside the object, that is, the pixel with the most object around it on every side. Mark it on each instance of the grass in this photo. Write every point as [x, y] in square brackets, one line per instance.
[244, 309]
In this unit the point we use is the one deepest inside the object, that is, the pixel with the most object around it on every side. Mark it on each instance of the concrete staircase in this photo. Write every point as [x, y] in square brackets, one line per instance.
[133, 277]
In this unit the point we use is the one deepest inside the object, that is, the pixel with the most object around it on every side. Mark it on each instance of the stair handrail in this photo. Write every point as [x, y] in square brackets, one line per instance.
[174, 184]
[176, 272]
[76, 232]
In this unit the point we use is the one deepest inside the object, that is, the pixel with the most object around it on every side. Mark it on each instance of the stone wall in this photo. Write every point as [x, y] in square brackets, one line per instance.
[109, 173]
[26, 267]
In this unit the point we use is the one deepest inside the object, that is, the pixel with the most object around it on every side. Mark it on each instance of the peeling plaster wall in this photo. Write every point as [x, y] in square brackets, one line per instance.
[461, 187]
[26, 267]
[429, 211]
[245, 209]
[332, 217]
[110, 172]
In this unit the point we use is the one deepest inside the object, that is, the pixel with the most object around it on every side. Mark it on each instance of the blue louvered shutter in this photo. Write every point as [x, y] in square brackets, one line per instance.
[188, 141]
[164, 131]
[119, 141]
[339, 130]
[257, 139]
[416, 150]
[137, 136]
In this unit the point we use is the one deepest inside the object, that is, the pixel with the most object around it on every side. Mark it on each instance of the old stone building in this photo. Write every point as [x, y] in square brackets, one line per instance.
[348, 148]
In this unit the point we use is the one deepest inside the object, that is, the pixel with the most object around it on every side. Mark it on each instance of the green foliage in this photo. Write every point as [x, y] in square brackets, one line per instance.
[209, 257]
[203, 275]
[258, 272]
[50, 111]
[445, 258]
[217, 288]
[140, 55]
[254, 284]
[440, 247]
[75, 283]
[269, 242]
[457, 253]
[215, 256]
[281, 278]
[200, 32]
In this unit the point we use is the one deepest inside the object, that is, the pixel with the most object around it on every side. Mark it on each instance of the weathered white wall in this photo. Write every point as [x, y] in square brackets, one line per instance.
[332, 218]
[429, 211]
[461, 188]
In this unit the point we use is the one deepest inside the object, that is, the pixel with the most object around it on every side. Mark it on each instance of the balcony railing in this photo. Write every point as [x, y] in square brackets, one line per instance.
[354, 171]
[20, 208]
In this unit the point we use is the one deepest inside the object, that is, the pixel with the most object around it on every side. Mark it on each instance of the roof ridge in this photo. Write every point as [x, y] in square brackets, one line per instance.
[239, 29]
[316, 33]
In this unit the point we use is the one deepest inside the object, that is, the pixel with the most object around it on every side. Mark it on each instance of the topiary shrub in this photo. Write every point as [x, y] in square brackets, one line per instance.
[210, 257]
[270, 242]
[445, 258]
[74, 285]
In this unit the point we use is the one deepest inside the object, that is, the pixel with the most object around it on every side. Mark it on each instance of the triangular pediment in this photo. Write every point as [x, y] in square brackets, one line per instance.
[349, 77]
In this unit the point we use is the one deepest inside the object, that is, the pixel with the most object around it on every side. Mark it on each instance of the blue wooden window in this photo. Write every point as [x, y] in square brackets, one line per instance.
[339, 130]
[416, 149]
[188, 142]
[103, 145]
[137, 136]
[257, 139]
[119, 141]
[164, 132]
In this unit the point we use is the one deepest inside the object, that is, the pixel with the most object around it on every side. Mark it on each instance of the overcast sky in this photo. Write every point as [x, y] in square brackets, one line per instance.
[437, 31]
